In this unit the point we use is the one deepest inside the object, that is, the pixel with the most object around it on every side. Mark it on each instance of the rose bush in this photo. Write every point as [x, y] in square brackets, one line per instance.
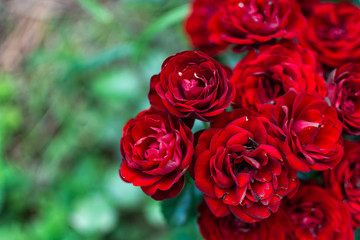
[157, 149]
[240, 170]
[191, 85]
[344, 180]
[312, 130]
[333, 33]
[249, 22]
[344, 95]
[264, 75]
[284, 120]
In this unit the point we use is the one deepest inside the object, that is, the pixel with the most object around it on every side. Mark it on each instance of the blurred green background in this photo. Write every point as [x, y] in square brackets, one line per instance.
[72, 73]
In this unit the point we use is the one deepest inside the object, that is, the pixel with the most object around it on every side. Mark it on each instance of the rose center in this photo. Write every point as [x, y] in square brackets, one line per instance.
[330, 33]
[193, 86]
[240, 162]
[152, 153]
[156, 146]
[258, 17]
[253, 13]
[336, 33]
[251, 145]
[239, 165]
[309, 218]
[272, 89]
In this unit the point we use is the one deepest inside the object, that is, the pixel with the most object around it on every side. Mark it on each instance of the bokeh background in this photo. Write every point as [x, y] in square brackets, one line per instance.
[72, 72]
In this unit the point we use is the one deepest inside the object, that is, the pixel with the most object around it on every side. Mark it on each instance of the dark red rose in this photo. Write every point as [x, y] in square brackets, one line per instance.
[264, 75]
[157, 149]
[240, 170]
[312, 130]
[344, 180]
[344, 95]
[315, 214]
[333, 33]
[232, 228]
[196, 26]
[248, 22]
[191, 85]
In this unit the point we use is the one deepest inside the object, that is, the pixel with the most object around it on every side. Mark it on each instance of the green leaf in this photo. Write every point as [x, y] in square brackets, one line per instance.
[206, 125]
[357, 234]
[96, 10]
[199, 125]
[351, 138]
[180, 210]
[312, 175]
[168, 19]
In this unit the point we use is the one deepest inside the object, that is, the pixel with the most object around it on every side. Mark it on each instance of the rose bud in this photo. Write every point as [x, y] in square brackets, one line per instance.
[333, 33]
[157, 149]
[240, 170]
[315, 214]
[249, 22]
[343, 181]
[344, 95]
[264, 75]
[312, 130]
[191, 85]
[232, 228]
[196, 26]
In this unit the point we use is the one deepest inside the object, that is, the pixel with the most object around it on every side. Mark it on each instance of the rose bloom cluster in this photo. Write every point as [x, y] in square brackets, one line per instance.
[280, 156]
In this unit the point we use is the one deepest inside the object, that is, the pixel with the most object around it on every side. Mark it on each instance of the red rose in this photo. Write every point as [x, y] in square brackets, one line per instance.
[314, 214]
[196, 26]
[333, 33]
[157, 149]
[248, 22]
[344, 95]
[240, 170]
[264, 75]
[344, 180]
[232, 228]
[312, 130]
[191, 84]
